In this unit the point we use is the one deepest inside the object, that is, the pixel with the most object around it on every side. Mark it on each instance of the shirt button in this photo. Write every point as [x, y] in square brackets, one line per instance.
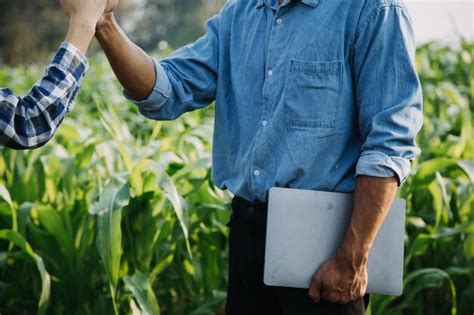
[264, 123]
[256, 173]
[279, 20]
[270, 73]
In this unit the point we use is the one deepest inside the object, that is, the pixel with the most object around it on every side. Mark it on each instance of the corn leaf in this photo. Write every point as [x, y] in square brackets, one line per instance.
[143, 293]
[109, 235]
[19, 241]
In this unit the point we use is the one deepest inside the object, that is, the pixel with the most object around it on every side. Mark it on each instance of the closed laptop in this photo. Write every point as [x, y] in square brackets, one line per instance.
[305, 228]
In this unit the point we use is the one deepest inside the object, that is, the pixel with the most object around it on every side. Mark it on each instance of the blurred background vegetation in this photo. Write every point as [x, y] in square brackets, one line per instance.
[31, 30]
[118, 214]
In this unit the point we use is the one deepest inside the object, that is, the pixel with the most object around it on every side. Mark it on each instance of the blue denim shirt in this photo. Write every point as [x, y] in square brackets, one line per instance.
[309, 94]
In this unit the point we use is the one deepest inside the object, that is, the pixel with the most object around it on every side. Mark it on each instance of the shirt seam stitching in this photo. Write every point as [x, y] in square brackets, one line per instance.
[371, 17]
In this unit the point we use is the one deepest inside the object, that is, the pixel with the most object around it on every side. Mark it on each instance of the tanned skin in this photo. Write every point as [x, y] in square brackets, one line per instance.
[132, 66]
[341, 279]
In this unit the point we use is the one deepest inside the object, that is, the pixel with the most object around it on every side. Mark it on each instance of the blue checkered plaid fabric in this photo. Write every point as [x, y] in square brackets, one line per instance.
[31, 121]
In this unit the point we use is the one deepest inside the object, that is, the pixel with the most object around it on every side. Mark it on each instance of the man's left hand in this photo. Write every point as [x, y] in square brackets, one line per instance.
[343, 278]
[339, 280]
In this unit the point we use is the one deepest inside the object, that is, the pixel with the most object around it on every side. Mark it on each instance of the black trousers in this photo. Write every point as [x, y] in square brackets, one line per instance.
[247, 294]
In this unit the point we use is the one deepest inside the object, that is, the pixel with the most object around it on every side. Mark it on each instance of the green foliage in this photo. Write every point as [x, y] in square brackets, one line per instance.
[439, 252]
[30, 30]
[19, 241]
[121, 210]
[118, 214]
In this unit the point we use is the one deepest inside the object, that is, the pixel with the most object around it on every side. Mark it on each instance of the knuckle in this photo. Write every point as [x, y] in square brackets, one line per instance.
[330, 297]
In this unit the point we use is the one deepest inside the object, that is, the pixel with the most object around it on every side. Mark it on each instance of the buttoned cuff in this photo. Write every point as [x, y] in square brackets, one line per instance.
[72, 60]
[378, 164]
[158, 96]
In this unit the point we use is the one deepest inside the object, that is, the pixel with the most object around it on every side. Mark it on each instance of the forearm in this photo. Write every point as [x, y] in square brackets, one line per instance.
[132, 66]
[80, 34]
[373, 197]
[31, 121]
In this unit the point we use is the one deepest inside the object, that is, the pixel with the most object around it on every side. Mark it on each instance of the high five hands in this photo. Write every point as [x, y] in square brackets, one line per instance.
[83, 18]
[109, 9]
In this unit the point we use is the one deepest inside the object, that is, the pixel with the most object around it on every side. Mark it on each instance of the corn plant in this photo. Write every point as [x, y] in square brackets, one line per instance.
[119, 215]
[439, 251]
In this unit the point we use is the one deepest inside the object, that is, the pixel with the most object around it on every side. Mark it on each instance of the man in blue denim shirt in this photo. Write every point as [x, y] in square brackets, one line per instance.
[310, 94]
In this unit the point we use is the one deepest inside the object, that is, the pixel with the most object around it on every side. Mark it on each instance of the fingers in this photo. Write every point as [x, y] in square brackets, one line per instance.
[335, 296]
[332, 296]
[319, 290]
[315, 289]
[111, 6]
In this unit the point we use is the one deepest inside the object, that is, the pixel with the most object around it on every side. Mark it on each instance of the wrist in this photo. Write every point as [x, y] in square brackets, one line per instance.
[354, 249]
[85, 24]
[353, 255]
[80, 33]
[106, 21]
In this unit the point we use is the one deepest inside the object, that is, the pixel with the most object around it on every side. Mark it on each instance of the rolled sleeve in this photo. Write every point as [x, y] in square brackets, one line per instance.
[160, 94]
[71, 60]
[187, 79]
[378, 164]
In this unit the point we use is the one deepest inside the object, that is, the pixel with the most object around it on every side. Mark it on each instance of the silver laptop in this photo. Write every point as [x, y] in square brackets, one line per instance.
[306, 227]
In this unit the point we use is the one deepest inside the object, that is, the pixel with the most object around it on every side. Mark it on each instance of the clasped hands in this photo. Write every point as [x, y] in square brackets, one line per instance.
[84, 16]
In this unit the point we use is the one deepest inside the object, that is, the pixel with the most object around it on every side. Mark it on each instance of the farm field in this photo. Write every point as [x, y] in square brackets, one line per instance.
[118, 214]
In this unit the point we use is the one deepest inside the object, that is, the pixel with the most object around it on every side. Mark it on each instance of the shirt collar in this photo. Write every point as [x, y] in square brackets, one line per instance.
[260, 3]
[311, 3]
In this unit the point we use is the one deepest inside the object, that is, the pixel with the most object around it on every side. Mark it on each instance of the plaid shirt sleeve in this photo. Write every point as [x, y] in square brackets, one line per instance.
[31, 121]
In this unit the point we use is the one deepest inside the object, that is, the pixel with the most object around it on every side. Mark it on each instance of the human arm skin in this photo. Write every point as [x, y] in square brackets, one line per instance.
[390, 116]
[83, 18]
[184, 81]
[343, 278]
[133, 67]
[31, 121]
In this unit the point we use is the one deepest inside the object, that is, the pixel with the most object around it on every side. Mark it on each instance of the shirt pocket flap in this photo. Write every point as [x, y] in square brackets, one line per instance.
[312, 94]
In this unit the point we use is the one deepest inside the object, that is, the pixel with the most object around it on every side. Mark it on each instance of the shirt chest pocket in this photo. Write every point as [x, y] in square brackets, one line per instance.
[312, 95]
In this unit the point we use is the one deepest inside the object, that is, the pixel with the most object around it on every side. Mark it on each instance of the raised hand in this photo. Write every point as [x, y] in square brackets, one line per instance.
[83, 15]
[111, 5]
[108, 12]
[132, 66]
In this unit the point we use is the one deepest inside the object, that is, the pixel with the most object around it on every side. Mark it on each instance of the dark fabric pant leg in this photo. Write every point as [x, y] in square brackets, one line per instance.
[296, 302]
[247, 294]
